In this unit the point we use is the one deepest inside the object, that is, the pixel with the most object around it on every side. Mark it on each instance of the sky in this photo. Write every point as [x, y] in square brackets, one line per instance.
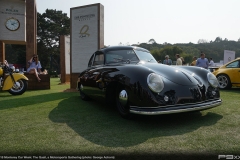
[171, 21]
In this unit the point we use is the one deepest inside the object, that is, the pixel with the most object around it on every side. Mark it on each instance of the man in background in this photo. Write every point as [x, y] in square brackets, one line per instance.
[167, 61]
[211, 63]
[202, 61]
[179, 61]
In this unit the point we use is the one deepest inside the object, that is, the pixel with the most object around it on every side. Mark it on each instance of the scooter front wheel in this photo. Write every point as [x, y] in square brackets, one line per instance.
[19, 87]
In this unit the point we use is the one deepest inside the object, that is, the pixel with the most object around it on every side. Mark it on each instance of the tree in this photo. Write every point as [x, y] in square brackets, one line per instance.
[202, 41]
[166, 50]
[51, 25]
[151, 41]
[218, 39]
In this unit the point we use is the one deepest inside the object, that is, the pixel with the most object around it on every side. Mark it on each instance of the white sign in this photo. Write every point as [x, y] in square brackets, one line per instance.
[12, 20]
[84, 36]
[228, 56]
[67, 54]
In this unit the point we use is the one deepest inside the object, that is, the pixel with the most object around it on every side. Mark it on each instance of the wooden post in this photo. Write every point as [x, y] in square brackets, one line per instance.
[2, 51]
[31, 29]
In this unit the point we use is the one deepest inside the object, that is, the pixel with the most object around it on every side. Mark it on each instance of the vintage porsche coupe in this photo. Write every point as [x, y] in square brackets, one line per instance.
[130, 78]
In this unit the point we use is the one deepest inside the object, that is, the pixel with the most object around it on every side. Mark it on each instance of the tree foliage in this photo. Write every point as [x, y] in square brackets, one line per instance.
[51, 25]
[151, 41]
[202, 41]
[171, 51]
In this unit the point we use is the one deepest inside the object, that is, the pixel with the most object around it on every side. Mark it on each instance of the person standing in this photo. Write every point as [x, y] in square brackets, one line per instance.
[211, 63]
[202, 61]
[179, 61]
[194, 61]
[183, 62]
[167, 61]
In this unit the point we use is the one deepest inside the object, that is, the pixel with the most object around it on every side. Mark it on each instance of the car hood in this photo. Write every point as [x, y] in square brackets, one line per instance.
[172, 73]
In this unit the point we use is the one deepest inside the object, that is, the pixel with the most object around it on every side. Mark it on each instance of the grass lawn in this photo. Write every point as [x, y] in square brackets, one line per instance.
[54, 122]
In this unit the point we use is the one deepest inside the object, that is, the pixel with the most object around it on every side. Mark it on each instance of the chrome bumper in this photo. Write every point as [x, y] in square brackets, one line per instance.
[169, 109]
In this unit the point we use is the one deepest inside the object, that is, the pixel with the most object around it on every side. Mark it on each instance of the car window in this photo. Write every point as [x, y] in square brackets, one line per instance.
[98, 59]
[121, 56]
[233, 65]
[90, 61]
[145, 56]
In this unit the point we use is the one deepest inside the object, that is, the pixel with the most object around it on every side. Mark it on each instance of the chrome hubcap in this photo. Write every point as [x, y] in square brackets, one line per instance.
[223, 81]
[81, 87]
[123, 97]
[16, 85]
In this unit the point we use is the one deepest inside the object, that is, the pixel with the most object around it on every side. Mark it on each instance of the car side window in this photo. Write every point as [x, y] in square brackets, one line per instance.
[233, 65]
[90, 61]
[98, 59]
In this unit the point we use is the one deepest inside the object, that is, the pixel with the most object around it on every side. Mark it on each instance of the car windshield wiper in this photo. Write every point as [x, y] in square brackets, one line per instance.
[150, 60]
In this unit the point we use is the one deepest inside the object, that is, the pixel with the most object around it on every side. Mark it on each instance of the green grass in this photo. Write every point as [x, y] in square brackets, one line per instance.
[47, 122]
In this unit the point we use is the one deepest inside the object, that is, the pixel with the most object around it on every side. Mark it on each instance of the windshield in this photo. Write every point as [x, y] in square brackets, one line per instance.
[121, 56]
[145, 56]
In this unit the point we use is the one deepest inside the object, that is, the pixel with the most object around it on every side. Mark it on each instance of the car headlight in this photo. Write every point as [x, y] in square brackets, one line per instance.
[212, 80]
[155, 82]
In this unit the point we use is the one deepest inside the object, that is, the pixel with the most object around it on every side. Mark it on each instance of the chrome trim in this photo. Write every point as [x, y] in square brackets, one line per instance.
[191, 108]
[81, 87]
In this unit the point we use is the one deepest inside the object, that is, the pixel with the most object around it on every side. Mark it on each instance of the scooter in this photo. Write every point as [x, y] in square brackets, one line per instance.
[14, 83]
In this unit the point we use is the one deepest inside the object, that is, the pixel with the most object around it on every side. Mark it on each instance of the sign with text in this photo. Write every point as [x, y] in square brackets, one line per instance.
[228, 56]
[85, 34]
[12, 20]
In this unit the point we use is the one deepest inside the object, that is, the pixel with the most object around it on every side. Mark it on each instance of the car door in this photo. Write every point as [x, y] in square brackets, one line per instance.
[233, 70]
[91, 80]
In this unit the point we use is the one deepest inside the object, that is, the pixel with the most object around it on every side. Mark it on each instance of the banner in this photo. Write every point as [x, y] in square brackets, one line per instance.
[228, 56]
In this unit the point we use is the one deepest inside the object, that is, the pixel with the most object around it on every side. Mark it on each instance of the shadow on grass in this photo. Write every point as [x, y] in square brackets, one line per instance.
[104, 126]
[17, 101]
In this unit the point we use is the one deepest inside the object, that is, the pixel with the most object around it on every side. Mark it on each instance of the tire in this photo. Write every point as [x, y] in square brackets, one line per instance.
[224, 81]
[19, 87]
[122, 103]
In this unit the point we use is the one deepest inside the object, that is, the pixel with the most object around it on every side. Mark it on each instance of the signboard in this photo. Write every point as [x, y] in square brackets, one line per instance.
[84, 35]
[87, 36]
[12, 20]
[67, 54]
[228, 56]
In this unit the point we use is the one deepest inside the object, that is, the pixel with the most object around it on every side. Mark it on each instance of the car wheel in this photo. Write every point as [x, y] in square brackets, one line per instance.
[122, 103]
[82, 95]
[224, 81]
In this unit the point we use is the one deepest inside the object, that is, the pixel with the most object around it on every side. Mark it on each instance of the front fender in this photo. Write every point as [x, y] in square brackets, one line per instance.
[8, 83]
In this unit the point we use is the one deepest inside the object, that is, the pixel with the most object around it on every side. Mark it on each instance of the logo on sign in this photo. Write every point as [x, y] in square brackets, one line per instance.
[84, 31]
[84, 17]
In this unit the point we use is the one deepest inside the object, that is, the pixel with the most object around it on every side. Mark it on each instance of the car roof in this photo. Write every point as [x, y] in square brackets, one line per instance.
[122, 48]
